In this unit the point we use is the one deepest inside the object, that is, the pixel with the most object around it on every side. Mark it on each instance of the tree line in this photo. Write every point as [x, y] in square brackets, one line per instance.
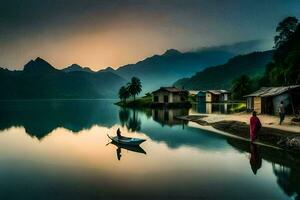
[284, 69]
[133, 88]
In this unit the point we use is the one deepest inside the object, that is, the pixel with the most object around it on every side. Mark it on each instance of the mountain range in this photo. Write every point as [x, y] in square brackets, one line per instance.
[221, 76]
[40, 80]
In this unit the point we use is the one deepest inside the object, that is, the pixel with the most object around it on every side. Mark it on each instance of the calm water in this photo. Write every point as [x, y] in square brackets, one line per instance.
[59, 150]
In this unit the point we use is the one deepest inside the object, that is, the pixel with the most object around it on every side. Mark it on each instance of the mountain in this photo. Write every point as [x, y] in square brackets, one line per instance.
[77, 68]
[40, 80]
[163, 70]
[221, 76]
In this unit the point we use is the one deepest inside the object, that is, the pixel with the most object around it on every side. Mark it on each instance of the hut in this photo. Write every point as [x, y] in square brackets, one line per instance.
[170, 96]
[266, 100]
[213, 96]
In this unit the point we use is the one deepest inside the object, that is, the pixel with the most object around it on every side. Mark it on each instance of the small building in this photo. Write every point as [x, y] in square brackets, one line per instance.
[166, 95]
[213, 96]
[266, 100]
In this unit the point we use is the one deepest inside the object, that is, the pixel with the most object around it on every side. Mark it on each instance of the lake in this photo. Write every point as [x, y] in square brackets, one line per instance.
[60, 150]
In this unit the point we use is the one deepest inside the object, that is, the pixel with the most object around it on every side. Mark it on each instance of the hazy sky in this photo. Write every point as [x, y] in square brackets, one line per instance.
[101, 33]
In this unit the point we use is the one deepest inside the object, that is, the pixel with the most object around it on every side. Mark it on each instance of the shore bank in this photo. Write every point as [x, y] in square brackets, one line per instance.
[286, 136]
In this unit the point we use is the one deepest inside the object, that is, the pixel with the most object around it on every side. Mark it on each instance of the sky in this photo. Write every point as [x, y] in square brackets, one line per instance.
[102, 33]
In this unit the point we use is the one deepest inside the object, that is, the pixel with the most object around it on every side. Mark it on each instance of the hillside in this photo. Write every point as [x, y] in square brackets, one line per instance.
[40, 80]
[162, 70]
[221, 76]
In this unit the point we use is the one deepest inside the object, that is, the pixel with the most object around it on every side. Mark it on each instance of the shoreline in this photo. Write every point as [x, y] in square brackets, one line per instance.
[286, 137]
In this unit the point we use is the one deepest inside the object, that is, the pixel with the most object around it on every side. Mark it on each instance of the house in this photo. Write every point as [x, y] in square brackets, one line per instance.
[167, 95]
[213, 96]
[267, 99]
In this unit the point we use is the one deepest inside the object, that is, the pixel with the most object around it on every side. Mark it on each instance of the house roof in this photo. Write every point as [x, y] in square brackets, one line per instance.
[170, 89]
[217, 92]
[271, 91]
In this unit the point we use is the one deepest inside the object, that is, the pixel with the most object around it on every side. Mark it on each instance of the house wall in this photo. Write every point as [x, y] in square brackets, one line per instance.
[208, 97]
[250, 103]
[173, 98]
[257, 104]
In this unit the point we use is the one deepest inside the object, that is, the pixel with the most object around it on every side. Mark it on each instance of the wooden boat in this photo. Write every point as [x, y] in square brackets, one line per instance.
[127, 140]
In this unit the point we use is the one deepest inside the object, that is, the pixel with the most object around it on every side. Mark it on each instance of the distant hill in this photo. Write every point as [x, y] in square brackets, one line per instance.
[163, 70]
[221, 76]
[40, 80]
[77, 68]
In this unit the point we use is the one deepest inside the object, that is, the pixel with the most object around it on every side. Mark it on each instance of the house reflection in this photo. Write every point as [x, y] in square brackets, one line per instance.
[209, 108]
[169, 116]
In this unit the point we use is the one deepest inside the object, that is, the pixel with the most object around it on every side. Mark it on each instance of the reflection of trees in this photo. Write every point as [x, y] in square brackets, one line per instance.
[288, 179]
[124, 116]
[134, 123]
[39, 118]
[285, 166]
[130, 119]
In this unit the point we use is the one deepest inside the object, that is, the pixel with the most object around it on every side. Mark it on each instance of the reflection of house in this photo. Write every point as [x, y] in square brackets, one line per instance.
[213, 96]
[167, 95]
[168, 117]
[267, 99]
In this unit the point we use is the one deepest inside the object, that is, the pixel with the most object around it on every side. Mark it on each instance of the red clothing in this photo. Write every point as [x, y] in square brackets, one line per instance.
[255, 126]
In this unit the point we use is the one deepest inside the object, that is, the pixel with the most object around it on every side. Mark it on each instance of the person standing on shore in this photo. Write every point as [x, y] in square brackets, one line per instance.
[255, 126]
[281, 112]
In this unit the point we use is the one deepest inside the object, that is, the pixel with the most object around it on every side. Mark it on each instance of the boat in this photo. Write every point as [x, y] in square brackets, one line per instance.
[126, 140]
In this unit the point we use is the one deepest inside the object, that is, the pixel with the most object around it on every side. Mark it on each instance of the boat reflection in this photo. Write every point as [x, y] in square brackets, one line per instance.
[136, 149]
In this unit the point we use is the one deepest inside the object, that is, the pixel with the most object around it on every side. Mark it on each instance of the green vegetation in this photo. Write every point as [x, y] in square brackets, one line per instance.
[283, 69]
[143, 102]
[221, 76]
[238, 108]
[132, 88]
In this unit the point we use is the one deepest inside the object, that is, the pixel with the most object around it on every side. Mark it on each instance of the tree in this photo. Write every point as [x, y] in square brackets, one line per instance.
[285, 30]
[135, 87]
[241, 86]
[124, 93]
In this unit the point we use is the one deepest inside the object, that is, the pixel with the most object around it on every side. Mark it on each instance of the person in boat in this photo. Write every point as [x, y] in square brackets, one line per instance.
[119, 133]
[255, 126]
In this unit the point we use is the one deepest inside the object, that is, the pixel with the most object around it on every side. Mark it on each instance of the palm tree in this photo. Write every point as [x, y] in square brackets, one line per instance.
[135, 87]
[124, 93]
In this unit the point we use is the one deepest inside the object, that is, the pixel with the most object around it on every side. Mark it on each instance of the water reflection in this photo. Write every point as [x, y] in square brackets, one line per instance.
[255, 158]
[285, 165]
[39, 118]
[168, 116]
[130, 119]
[208, 108]
[136, 149]
[200, 159]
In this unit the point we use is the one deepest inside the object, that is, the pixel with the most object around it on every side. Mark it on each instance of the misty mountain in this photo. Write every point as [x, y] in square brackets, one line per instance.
[221, 76]
[77, 68]
[40, 80]
[163, 70]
